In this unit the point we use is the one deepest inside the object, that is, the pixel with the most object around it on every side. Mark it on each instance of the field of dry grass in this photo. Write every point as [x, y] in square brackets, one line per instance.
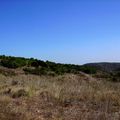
[63, 97]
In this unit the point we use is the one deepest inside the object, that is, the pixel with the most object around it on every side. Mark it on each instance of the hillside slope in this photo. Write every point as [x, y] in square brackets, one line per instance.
[64, 97]
[30, 91]
[108, 67]
[40, 67]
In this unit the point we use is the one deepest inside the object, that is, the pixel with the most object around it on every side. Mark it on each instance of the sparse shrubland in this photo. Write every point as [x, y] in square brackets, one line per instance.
[69, 96]
[38, 67]
[41, 90]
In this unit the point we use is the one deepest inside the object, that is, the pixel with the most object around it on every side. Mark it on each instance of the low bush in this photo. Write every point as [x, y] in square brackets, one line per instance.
[20, 93]
[88, 69]
[36, 71]
[14, 82]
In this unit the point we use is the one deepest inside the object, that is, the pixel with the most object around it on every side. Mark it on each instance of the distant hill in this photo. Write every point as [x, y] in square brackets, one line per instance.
[39, 67]
[105, 66]
[35, 66]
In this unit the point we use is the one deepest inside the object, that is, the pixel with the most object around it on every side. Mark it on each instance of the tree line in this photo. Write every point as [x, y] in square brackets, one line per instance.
[39, 67]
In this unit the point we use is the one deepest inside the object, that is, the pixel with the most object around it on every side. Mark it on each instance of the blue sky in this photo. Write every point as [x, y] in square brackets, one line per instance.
[66, 31]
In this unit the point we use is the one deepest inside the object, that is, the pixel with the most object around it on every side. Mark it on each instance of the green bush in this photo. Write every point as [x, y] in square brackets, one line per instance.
[36, 71]
[12, 62]
[115, 77]
[88, 70]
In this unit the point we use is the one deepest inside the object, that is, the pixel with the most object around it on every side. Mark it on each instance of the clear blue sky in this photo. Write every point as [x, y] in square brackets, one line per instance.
[66, 31]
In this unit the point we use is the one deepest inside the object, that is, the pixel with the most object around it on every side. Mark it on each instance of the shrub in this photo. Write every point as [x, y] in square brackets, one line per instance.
[20, 93]
[88, 70]
[36, 71]
[115, 77]
[14, 82]
[12, 62]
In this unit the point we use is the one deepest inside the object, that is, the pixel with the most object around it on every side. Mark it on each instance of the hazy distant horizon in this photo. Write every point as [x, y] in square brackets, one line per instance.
[64, 31]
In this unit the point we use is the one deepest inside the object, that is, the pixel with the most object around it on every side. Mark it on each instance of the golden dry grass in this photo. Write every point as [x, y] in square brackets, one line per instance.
[64, 97]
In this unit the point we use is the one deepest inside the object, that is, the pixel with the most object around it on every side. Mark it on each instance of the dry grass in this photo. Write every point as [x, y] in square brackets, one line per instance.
[66, 97]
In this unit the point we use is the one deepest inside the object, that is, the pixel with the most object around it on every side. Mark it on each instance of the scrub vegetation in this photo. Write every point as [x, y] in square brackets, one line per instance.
[32, 89]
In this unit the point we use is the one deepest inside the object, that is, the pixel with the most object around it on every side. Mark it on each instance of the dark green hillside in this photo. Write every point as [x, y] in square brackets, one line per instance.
[106, 67]
[110, 71]
[39, 67]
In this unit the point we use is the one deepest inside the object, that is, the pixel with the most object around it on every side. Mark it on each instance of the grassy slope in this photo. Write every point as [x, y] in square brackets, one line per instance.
[63, 97]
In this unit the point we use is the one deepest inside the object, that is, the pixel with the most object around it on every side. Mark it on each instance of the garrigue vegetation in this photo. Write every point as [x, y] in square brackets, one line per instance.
[31, 89]
[39, 67]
